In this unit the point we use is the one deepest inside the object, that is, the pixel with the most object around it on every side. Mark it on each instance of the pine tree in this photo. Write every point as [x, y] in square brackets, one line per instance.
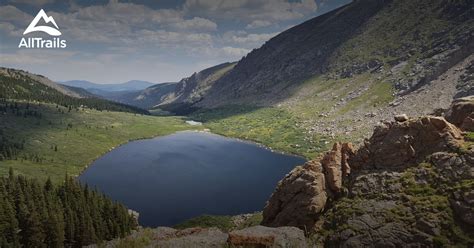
[44, 215]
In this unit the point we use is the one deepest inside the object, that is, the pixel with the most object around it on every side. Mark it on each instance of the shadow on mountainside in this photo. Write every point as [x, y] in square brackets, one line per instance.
[220, 113]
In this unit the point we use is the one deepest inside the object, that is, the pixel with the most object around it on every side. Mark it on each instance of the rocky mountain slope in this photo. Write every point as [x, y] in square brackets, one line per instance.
[343, 72]
[404, 43]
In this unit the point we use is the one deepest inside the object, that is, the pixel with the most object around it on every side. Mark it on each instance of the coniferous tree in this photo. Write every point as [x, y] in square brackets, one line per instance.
[34, 214]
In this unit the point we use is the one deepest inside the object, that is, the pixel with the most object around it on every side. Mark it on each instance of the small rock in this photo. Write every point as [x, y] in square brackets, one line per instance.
[401, 118]
[372, 114]
[427, 227]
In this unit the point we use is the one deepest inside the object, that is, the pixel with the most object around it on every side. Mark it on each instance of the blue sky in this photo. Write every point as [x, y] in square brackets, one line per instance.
[112, 41]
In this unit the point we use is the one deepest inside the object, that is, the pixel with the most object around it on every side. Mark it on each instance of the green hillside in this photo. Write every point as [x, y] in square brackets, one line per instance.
[23, 87]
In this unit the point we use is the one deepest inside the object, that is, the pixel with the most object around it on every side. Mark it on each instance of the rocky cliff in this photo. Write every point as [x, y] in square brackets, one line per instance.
[410, 184]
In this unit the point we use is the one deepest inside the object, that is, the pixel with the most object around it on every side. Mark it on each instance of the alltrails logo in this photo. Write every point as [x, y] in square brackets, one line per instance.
[38, 42]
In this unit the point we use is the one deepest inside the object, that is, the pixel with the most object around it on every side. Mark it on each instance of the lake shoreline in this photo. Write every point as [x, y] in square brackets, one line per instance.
[197, 160]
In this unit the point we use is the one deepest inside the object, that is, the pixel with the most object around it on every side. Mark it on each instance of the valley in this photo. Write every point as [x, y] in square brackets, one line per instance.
[354, 128]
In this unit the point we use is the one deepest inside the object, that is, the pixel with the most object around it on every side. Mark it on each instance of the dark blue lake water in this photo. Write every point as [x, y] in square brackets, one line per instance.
[176, 177]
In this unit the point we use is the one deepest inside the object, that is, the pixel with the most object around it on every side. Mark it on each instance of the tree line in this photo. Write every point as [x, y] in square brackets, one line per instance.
[34, 214]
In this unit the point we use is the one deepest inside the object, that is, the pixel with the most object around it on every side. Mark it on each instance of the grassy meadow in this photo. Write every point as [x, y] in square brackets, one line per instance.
[271, 126]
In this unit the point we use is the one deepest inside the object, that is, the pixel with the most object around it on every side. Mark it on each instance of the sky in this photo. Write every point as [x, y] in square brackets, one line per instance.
[114, 41]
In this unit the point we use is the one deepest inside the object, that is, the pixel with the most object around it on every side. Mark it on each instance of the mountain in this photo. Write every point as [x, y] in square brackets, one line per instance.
[80, 91]
[37, 80]
[147, 98]
[342, 72]
[22, 85]
[404, 43]
[132, 85]
[176, 97]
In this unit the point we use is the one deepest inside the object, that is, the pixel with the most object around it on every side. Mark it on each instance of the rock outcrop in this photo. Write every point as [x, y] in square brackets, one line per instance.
[299, 198]
[410, 184]
[302, 195]
[336, 166]
[402, 144]
[461, 113]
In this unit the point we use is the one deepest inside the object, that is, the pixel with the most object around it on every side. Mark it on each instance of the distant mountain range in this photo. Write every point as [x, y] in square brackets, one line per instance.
[99, 89]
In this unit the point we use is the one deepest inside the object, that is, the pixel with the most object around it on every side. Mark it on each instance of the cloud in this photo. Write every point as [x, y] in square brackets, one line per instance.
[234, 52]
[13, 15]
[32, 2]
[250, 10]
[162, 44]
[258, 24]
[197, 23]
[117, 22]
[243, 38]
[169, 39]
[10, 30]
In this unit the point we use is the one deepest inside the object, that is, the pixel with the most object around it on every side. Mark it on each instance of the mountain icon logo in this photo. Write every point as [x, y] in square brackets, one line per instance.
[47, 29]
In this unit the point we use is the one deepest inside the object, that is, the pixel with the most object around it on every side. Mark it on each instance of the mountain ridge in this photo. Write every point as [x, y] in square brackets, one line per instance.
[131, 85]
[177, 97]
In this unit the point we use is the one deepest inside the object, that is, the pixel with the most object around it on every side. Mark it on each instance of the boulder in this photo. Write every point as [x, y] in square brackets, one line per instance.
[262, 236]
[401, 118]
[453, 167]
[461, 113]
[298, 199]
[404, 144]
[376, 184]
[462, 203]
[370, 228]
